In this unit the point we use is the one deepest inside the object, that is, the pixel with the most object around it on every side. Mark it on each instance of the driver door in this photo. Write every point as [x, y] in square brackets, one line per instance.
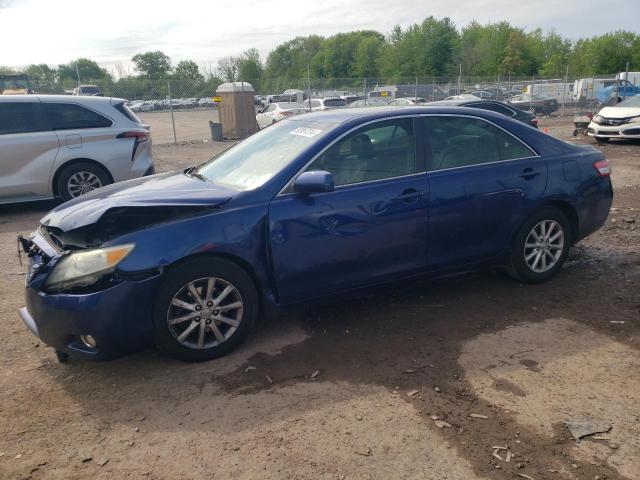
[371, 227]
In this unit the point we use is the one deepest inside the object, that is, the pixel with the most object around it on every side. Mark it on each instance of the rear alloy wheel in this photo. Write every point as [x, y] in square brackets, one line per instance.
[80, 178]
[540, 247]
[544, 246]
[205, 309]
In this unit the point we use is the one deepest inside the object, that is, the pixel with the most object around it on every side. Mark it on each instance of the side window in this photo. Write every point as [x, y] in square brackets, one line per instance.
[68, 116]
[463, 141]
[377, 151]
[18, 117]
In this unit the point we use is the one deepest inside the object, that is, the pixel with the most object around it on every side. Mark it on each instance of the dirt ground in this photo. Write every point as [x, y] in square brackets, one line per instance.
[378, 386]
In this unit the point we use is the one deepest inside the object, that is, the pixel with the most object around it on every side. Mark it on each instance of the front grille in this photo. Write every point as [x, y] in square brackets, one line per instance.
[613, 122]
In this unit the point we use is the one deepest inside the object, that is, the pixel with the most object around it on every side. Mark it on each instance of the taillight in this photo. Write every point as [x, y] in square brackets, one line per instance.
[603, 167]
[286, 113]
[137, 134]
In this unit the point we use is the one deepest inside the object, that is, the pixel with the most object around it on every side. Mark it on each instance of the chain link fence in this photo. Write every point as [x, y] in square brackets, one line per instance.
[179, 110]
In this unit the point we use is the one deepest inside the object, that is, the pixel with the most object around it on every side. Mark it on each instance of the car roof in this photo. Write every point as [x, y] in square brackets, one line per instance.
[85, 100]
[365, 114]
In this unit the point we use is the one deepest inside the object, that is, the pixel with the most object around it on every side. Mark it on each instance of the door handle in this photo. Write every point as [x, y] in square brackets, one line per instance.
[529, 173]
[409, 195]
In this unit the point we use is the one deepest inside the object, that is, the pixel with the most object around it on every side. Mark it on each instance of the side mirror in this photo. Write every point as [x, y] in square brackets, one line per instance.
[314, 182]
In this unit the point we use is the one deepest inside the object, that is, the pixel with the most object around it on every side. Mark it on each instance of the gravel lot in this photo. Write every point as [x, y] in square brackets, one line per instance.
[380, 386]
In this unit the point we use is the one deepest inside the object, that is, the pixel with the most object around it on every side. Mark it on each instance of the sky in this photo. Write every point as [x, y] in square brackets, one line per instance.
[54, 32]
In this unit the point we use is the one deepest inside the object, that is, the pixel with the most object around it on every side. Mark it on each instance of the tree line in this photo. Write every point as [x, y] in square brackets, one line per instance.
[434, 48]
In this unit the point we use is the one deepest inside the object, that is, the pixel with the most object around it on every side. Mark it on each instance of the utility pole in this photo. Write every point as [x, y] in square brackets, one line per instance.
[309, 86]
[626, 79]
[78, 76]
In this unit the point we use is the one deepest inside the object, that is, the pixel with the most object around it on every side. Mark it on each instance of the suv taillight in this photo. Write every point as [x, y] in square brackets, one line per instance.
[603, 167]
[138, 135]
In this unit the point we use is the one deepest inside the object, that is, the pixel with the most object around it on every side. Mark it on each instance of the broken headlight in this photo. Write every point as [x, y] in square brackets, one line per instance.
[84, 268]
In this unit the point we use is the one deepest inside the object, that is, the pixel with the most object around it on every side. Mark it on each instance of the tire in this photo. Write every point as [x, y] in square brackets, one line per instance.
[520, 264]
[175, 289]
[602, 139]
[94, 175]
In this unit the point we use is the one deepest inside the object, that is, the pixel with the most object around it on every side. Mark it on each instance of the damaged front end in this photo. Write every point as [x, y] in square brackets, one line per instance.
[84, 265]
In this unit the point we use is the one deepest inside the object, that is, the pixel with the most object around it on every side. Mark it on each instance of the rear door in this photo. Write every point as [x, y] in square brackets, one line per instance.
[482, 180]
[27, 152]
[86, 134]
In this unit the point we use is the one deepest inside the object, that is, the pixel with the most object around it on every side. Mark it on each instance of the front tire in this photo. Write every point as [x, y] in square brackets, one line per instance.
[540, 246]
[205, 308]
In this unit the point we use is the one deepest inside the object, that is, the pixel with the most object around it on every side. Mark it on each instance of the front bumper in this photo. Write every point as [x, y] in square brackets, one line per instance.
[119, 318]
[628, 130]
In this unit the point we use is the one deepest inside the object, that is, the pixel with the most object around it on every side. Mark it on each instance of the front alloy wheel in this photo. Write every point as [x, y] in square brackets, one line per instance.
[205, 307]
[205, 313]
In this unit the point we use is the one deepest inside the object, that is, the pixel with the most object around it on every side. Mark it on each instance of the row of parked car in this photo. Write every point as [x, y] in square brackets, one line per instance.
[175, 103]
[277, 111]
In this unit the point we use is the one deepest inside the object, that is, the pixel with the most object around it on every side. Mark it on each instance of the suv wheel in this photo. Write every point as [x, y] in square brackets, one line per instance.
[81, 178]
[540, 247]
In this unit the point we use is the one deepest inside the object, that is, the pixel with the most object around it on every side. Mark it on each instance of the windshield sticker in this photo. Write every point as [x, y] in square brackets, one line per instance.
[306, 132]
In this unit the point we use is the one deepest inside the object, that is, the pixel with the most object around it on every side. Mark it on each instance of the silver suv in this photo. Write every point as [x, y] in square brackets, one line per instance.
[64, 146]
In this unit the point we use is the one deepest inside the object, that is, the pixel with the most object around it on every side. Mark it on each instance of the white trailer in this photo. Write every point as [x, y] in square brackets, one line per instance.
[562, 92]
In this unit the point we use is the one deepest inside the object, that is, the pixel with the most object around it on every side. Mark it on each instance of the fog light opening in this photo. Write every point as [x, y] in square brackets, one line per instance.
[88, 341]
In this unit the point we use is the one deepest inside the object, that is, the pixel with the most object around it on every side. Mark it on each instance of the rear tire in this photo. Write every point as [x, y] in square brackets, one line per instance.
[188, 285]
[540, 246]
[80, 178]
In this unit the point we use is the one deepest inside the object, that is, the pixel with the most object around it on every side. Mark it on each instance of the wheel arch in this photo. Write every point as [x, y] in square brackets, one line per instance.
[570, 212]
[68, 163]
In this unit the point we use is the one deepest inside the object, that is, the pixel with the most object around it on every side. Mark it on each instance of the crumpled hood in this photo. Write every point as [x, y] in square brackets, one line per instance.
[173, 189]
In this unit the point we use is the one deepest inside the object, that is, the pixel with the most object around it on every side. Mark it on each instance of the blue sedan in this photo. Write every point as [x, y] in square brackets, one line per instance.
[315, 205]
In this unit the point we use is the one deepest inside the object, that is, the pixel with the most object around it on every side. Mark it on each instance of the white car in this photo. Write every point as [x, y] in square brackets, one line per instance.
[463, 96]
[274, 112]
[141, 106]
[620, 121]
[318, 104]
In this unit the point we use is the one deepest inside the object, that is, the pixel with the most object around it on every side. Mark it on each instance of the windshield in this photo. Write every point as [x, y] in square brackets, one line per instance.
[256, 160]
[633, 102]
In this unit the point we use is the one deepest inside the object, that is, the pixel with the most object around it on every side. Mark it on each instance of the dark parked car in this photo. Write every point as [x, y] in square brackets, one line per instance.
[538, 103]
[314, 205]
[494, 106]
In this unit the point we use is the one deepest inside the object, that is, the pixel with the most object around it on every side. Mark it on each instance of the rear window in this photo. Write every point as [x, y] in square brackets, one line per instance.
[124, 109]
[68, 116]
[18, 117]
[334, 102]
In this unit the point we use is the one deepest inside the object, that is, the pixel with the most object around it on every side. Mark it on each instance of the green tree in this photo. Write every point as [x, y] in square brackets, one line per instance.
[152, 65]
[250, 68]
[228, 69]
[88, 70]
[188, 70]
